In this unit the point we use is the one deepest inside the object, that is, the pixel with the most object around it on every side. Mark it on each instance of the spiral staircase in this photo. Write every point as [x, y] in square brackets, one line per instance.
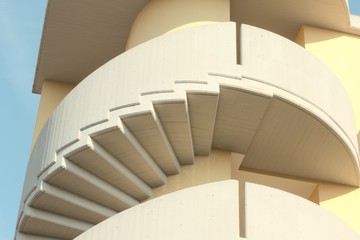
[190, 104]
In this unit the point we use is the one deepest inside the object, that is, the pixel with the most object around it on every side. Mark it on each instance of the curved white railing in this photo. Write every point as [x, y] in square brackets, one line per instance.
[193, 216]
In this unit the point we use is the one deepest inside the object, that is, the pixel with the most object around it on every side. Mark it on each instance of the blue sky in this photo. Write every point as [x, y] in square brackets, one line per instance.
[354, 6]
[20, 31]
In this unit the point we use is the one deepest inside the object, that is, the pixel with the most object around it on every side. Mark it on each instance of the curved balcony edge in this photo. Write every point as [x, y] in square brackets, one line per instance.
[261, 214]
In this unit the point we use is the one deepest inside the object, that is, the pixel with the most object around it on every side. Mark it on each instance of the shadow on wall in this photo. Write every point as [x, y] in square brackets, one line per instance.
[315, 35]
[315, 191]
[328, 191]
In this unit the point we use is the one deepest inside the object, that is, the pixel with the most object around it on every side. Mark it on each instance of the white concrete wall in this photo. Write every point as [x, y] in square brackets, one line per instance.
[274, 214]
[186, 214]
[190, 214]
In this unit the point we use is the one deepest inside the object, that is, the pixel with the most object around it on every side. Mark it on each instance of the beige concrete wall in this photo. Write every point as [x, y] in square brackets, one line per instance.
[340, 52]
[51, 95]
[161, 16]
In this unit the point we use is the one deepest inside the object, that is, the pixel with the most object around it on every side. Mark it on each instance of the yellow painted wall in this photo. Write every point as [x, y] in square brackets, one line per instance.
[342, 201]
[51, 95]
[161, 16]
[340, 52]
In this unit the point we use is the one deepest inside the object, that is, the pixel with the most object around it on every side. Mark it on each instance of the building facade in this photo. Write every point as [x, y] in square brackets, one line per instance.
[195, 119]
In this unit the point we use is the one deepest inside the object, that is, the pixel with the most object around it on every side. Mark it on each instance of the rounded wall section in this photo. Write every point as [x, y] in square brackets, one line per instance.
[185, 214]
[274, 214]
[161, 16]
[268, 213]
